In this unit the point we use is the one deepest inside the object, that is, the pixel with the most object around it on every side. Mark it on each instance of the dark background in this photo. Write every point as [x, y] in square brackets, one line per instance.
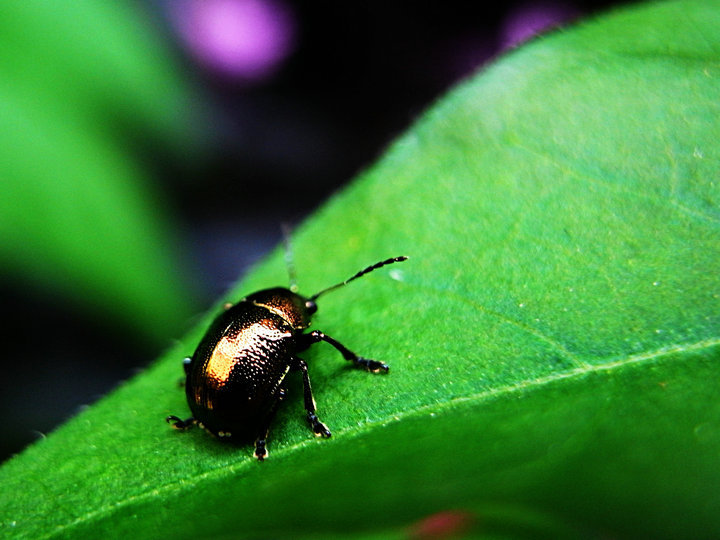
[276, 145]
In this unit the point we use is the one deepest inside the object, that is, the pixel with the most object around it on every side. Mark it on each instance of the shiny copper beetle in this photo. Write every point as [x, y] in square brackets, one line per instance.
[234, 380]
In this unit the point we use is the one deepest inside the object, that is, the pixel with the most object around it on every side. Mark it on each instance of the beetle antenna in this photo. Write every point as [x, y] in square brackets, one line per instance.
[360, 273]
[289, 264]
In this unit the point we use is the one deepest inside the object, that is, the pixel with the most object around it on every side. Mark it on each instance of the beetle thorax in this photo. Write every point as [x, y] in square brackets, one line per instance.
[284, 303]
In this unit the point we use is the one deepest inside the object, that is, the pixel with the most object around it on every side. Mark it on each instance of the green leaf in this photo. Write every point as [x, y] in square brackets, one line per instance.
[553, 339]
[77, 215]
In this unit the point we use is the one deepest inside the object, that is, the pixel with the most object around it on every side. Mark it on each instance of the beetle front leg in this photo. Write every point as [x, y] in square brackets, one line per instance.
[371, 365]
[318, 427]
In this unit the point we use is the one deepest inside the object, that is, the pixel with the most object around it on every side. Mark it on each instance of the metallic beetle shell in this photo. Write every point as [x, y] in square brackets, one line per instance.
[238, 367]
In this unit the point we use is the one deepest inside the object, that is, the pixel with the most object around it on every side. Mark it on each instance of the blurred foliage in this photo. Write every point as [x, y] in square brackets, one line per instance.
[82, 85]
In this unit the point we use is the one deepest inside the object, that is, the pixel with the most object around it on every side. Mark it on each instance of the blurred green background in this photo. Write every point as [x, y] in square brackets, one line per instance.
[151, 151]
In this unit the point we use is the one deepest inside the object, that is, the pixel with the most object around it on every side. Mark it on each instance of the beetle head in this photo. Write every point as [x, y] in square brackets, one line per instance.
[310, 306]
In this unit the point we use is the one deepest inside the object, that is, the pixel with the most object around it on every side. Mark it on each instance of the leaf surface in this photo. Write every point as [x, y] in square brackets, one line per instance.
[553, 339]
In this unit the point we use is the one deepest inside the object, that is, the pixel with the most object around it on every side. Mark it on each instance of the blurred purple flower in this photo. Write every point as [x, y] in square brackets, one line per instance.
[528, 20]
[245, 39]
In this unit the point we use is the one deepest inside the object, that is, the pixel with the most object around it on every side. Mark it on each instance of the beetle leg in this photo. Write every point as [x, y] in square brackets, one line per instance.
[260, 443]
[371, 365]
[318, 427]
[179, 423]
[260, 450]
[186, 367]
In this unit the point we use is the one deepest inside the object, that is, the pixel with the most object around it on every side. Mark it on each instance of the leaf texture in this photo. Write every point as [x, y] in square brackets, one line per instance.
[553, 339]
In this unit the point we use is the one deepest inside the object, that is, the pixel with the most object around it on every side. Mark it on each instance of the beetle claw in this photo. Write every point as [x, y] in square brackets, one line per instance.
[179, 423]
[373, 366]
[260, 451]
[319, 429]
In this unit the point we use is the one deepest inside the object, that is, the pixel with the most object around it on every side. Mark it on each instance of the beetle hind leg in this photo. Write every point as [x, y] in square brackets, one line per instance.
[179, 423]
[319, 429]
[261, 442]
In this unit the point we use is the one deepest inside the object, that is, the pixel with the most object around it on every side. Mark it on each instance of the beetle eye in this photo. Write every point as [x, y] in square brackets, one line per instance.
[311, 306]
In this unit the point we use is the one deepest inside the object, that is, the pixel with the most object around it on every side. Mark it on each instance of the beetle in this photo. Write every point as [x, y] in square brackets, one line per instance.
[233, 381]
